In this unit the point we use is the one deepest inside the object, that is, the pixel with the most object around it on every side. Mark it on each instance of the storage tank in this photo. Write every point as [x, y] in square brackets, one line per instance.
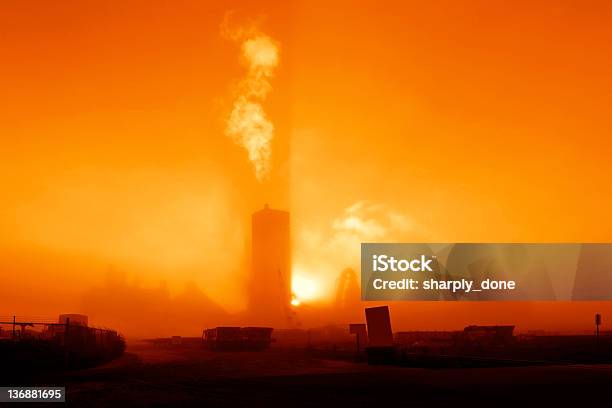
[270, 285]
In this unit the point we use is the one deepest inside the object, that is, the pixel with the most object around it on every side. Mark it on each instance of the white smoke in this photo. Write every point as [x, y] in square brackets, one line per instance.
[248, 125]
[322, 252]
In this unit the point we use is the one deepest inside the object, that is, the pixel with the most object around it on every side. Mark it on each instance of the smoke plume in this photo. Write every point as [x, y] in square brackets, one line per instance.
[248, 125]
[322, 251]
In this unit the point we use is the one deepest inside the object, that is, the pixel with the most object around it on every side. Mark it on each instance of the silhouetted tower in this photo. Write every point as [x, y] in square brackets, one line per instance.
[270, 287]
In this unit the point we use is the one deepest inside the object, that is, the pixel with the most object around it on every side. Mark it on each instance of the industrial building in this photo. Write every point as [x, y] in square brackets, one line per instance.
[270, 285]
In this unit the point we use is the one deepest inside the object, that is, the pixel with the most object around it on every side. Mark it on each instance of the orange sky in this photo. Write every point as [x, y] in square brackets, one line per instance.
[466, 121]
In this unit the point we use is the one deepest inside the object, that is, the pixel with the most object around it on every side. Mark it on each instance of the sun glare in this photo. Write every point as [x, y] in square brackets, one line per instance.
[303, 287]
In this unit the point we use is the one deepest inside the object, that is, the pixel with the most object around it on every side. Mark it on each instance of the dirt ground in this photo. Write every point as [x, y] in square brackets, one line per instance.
[150, 376]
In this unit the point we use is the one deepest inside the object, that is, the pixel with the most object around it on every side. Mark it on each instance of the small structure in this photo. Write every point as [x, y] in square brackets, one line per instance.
[74, 319]
[238, 338]
[488, 335]
[380, 337]
[379, 326]
[411, 337]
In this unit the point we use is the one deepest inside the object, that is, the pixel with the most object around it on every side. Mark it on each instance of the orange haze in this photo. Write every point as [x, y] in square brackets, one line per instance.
[393, 121]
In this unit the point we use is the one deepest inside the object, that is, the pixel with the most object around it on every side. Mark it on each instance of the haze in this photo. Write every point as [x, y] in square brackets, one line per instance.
[392, 122]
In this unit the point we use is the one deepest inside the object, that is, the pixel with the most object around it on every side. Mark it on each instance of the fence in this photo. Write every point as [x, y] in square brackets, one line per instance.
[42, 340]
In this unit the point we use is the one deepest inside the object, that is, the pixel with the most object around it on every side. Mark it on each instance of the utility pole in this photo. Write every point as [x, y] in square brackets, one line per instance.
[14, 327]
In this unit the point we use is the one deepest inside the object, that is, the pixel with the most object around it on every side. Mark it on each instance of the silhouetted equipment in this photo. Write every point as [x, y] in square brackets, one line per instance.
[223, 338]
[427, 341]
[270, 286]
[380, 336]
[237, 338]
[361, 334]
[73, 319]
[379, 326]
[488, 335]
[469, 339]
[55, 343]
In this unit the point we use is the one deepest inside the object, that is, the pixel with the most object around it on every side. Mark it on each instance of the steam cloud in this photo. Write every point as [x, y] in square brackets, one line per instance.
[248, 124]
[323, 251]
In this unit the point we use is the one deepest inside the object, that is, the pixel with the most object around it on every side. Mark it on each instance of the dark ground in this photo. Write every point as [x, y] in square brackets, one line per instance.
[149, 376]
